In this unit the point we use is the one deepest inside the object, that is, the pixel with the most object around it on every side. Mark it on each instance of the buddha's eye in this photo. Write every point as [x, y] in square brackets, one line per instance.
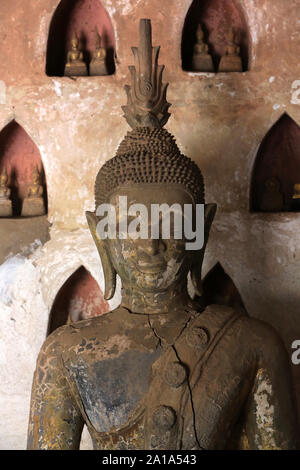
[126, 219]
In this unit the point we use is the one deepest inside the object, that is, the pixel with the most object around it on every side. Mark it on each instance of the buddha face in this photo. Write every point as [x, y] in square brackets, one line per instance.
[149, 264]
[200, 33]
[74, 43]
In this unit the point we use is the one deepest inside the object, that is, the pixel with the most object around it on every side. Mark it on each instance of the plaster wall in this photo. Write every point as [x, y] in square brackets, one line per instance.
[219, 120]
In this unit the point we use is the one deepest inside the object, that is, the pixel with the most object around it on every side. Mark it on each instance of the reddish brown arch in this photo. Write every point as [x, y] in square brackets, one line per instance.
[216, 17]
[78, 299]
[278, 157]
[82, 17]
[19, 155]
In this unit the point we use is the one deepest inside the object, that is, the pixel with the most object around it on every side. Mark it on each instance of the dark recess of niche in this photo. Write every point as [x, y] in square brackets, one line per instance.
[218, 288]
[60, 311]
[216, 17]
[58, 43]
[278, 158]
[79, 298]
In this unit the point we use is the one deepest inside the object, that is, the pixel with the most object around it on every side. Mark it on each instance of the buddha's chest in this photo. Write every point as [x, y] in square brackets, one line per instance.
[129, 401]
[109, 391]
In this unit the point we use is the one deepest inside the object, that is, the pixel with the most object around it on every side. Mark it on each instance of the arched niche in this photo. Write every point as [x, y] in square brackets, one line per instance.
[20, 156]
[277, 169]
[78, 299]
[219, 288]
[216, 18]
[82, 17]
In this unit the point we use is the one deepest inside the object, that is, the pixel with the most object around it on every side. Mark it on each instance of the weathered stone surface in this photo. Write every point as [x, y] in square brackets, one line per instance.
[203, 63]
[230, 64]
[175, 375]
[22, 235]
[73, 70]
[33, 207]
[98, 68]
[219, 120]
[5, 208]
[23, 321]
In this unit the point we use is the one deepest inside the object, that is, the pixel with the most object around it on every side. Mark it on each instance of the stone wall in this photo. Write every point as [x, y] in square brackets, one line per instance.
[219, 120]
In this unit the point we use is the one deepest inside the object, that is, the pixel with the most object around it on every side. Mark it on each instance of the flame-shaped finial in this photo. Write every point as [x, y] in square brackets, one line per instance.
[147, 105]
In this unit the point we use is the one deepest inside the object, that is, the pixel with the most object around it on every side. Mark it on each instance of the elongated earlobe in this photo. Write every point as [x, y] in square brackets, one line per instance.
[110, 274]
[196, 269]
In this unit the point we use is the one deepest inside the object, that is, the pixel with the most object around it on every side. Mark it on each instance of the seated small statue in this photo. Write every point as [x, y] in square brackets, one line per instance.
[161, 371]
[296, 198]
[202, 60]
[36, 189]
[5, 192]
[98, 63]
[4, 189]
[231, 61]
[75, 65]
[272, 198]
[33, 204]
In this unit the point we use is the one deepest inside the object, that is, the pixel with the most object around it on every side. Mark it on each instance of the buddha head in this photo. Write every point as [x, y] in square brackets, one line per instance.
[200, 34]
[36, 176]
[98, 40]
[75, 42]
[149, 171]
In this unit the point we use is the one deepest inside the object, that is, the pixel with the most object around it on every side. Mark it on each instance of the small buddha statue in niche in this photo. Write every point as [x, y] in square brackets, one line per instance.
[161, 371]
[231, 61]
[296, 197]
[98, 63]
[272, 199]
[33, 204]
[5, 192]
[202, 60]
[75, 65]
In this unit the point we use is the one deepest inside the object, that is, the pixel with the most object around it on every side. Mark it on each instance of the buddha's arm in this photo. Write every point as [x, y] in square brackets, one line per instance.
[271, 412]
[55, 421]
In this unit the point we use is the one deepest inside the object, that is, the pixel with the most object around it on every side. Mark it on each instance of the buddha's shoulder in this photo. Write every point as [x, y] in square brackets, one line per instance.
[263, 338]
[112, 331]
[248, 331]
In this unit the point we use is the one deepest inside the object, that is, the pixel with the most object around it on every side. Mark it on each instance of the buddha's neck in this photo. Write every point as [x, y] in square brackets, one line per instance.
[138, 301]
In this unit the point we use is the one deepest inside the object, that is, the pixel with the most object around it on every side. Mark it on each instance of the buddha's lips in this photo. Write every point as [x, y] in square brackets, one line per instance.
[148, 268]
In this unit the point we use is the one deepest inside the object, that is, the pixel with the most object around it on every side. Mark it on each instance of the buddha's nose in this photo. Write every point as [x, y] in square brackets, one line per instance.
[153, 247]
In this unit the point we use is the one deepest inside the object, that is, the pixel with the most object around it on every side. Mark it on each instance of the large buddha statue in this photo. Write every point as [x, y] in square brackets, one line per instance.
[160, 371]
[75, 65]
[231, 61]
[5, 192]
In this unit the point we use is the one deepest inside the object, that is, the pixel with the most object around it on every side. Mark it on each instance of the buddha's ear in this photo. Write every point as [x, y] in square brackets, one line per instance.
[209, 214]
[108, 269]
